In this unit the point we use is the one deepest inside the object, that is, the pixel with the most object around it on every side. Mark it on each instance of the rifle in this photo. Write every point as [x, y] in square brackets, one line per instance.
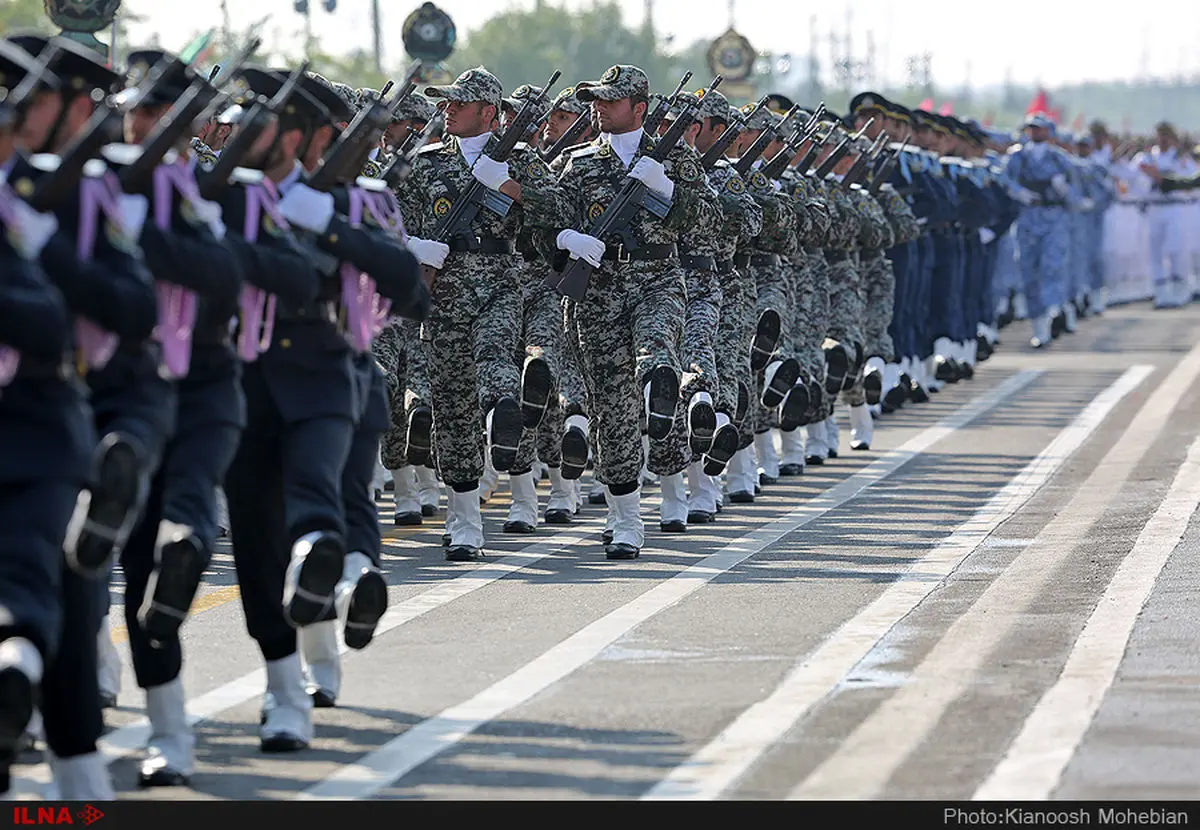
[775, 168]
[214, 182]
[462, 214]
[735, 128]
[30, 82]
[761, 143]
[569, 138]
[884, 171]
[401, 164]
[864, 160]
[201, 97]
[615, 220]
[662, 107]
[104, 127]
[345, 160]
[840, 152]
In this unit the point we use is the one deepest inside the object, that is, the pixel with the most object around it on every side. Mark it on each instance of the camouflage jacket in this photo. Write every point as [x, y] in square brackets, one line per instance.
[440, 175]
[874, 232]
[778, 234]
[701, 239]
[742, 216]
[904, 224]
[805, 193]
[591, 176]
[843, 230]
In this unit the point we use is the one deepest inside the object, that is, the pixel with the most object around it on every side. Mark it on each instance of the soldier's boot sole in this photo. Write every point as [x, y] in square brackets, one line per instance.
[724, 446]
[873, 387]
[536, 385]
[367, 606]
[664, 395]
[781, 382]
[795, 408]
[574, 453]
[419, 439]
[112, 511]
[837, 364]
[319, 573]
[171, 589]
[507, 424]
[743, 404]
[702, 425]
[766, 339]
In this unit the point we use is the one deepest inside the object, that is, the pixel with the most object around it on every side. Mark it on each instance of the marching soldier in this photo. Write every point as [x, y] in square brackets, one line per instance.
[167, 554]
[476, 295]
[630, 322]
[94, 260]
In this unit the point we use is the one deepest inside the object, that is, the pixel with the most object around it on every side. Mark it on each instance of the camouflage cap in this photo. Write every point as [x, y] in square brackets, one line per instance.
[762, 119]
[473, 85]
[520, 95]
[415, 107]
[620, 81]
[338, 99]
[568, 101]
[712, 105]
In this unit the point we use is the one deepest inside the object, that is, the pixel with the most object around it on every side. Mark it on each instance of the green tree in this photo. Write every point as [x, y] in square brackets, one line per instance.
[24, 14]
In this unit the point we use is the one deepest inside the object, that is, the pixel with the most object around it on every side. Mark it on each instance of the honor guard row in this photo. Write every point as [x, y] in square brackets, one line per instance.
[247, 304]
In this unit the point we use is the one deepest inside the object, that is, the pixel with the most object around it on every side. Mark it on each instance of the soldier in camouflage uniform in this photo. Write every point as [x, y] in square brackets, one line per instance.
[406, 445]
[695, 413]
[476, 293]
[630, 322]
[761, 258]
[741, 222]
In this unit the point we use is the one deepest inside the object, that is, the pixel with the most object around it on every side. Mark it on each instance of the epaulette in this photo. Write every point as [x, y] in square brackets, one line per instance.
[244, 175]
[373, 185]
[431, 148]
[568, 150]
[584, 151]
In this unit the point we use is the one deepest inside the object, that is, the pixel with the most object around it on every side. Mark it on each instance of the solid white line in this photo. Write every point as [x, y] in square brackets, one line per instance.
[431, 737]
[1035, 761]
[869, 757]
[720, 764]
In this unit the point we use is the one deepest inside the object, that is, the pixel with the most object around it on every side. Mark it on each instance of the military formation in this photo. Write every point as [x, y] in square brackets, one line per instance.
[245, 303]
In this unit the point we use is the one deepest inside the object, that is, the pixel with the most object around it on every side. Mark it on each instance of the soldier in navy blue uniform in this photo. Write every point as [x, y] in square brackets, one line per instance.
[168, 552]
[46, 434]
[132, 408]
[362, 593]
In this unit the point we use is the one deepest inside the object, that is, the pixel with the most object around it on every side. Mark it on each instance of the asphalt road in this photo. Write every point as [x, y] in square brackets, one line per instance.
[995, 602]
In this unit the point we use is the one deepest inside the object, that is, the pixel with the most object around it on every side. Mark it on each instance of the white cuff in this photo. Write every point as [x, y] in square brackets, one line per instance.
[307, 208]
[133, 213]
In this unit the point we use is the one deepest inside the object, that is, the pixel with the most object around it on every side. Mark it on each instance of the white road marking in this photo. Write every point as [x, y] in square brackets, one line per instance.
[720, 764]
[431, 737]
[1035, 761]
[868, 758]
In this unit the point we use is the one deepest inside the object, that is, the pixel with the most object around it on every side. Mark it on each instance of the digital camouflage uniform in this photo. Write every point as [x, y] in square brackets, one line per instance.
[702, 315]
[631, 320]
[810, 286]
[877, 285]
[904, 230]
[742, 221]
[845, 291]
[470, 334]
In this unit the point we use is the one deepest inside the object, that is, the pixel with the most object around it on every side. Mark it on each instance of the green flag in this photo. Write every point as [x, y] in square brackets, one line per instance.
[198, 48]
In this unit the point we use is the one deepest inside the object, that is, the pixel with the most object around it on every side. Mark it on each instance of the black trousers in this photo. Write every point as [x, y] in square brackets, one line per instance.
[208, 424]
[33, 522]
[285, 481]
[358, 494]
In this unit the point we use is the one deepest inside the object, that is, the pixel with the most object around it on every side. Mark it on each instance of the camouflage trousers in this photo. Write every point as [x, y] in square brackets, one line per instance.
[773, 291]
[541, 337]
[734, 334]
[810, 292]
[401, 354]
[471, 340]
[572, 397]
[846, 316]
[629, 323]
[702, 316]
[879, 288]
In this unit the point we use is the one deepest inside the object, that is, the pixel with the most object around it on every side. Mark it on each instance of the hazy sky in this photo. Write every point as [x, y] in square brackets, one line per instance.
[1051, 41]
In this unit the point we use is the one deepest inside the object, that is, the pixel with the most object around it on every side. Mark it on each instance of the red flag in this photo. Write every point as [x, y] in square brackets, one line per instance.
[926, 105]
[947, 109]
[1077, 124]
[1039, 105]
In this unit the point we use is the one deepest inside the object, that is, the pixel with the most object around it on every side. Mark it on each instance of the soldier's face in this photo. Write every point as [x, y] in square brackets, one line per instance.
[396, 132]
[620, 116]
[256, 158]
[140, 123]
[710, 130]
[321, 139]
[557, 124]
[39, 120]
[468, 119]
[1039, 134]
[744, 141]
[876, 127]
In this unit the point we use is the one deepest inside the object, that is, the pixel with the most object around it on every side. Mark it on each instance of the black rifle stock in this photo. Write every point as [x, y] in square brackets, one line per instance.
[861, 164]
[884, 172]
[462, 214]
[663, 106]
[772, 133]
[345, 159]
[634, 196]
[732, 130]
[104, 127]
[401, 164]
[839, 152]
[213, 183]
[776, 167]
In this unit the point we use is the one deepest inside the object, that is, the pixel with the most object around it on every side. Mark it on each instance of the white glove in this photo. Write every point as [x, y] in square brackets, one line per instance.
[210, 214]
[986, 235]
[650, 173]
[307, 208]
[1059, 183]
[1087, 204]
[33, 229]
[1025, 197]
[133, 213]
[588, 248]
[429, 252]
[491, 173]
